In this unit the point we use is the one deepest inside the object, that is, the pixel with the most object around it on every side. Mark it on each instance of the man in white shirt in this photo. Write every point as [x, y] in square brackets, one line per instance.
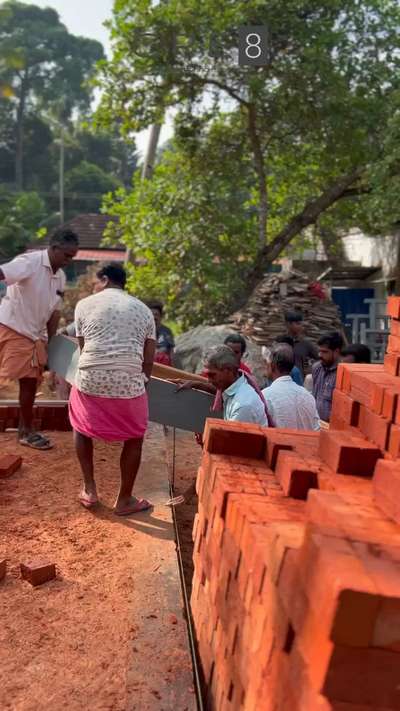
[29, 316]
[289, 404]
[241, 402]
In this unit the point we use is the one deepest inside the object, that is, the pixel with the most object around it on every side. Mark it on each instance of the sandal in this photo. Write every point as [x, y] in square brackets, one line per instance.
[35, 440]
[138, 506]
[88, 500]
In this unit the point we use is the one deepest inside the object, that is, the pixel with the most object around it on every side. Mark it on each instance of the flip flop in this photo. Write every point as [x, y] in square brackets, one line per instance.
[88, 500]
[36, 441]
[140, 505]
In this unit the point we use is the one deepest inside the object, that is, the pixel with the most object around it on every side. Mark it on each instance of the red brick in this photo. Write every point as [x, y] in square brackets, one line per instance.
[391, 363]
[3, 568]
[9, 463]
[386, 488]
[394, 441]
[38, 572]
[393, 345]
[302, 442]
[375, 427]
[234, 439]
[363, 368]
[295, 477]
[364, 676]
[345, 408]
[349, 519]
[393, 307]
[345, 454]
[395, 327]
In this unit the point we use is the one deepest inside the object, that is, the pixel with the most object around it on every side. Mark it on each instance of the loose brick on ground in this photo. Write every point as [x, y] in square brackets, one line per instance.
[3, 568]
[38, 572]
[9, 464]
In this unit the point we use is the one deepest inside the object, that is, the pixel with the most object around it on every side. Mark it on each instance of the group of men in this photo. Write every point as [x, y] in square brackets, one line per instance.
[119, 339]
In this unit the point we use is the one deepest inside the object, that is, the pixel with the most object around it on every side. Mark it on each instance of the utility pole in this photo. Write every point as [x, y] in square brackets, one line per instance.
[148, 165]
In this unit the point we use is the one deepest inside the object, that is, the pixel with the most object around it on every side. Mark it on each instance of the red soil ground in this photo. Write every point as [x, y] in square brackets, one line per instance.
[70, 643]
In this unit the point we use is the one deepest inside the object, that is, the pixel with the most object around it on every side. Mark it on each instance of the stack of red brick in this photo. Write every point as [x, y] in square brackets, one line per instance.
[296, 591]
[46, 416]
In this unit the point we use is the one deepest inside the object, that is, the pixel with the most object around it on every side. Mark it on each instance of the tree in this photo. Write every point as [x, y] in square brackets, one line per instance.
[106, 149]
[331, 73]
[192, 232]
[20, 216]
[48, 64]
[85, 185]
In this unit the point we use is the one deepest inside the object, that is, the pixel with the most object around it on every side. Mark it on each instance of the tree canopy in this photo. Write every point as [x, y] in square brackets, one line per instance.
[311, 124]
[43, 64]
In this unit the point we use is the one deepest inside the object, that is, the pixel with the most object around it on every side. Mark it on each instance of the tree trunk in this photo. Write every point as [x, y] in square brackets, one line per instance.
[261, 175]
[308, 216]
[19, 152]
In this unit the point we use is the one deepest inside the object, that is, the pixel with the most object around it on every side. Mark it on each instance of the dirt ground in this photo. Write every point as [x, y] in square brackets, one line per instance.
[70, 644]
[187, 460]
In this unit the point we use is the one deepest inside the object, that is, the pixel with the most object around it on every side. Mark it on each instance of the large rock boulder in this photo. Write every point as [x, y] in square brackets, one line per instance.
[192, 346]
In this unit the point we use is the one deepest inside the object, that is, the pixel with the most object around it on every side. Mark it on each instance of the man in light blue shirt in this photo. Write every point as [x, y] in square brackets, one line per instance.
[240, 400]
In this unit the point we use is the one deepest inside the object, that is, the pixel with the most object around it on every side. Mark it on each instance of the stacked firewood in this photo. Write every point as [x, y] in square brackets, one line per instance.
[263, 316]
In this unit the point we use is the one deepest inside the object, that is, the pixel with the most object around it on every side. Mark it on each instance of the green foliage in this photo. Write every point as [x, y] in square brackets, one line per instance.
[91, 183]
[19, 217]
[192, 233]
[44, 65]
[45, 88]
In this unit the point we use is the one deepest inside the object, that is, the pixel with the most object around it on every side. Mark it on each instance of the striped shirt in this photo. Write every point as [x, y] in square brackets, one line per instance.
[324, 382]
[290, 405]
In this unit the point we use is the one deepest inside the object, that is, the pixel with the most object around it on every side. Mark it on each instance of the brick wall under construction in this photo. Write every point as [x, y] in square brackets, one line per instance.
[296, 589]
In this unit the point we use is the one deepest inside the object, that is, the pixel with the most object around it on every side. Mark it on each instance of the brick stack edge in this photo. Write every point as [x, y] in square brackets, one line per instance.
[296, 588]
[46, 417]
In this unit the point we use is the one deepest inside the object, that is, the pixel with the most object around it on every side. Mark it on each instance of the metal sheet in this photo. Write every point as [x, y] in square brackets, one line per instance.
[186, 410]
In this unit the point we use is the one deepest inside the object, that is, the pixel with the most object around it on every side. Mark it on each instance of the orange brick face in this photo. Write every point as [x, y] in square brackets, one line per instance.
[296, 590]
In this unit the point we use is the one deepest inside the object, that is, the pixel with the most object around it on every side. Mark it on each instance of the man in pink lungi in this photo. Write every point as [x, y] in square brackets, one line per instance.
[117, 338]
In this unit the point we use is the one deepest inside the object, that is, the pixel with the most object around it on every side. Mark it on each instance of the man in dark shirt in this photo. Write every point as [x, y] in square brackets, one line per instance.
[165, 338]
[305, 352]
[324, 372]
[356, 353]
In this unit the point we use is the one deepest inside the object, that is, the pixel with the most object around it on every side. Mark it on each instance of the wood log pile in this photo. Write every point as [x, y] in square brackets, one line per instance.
[263, 316]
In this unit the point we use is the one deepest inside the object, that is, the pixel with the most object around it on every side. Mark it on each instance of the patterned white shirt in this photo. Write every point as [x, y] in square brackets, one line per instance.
[115, 327]
[290, 405]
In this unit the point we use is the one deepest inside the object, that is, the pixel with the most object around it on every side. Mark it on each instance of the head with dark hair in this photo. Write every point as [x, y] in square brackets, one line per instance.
[356, 353]
[222, 367]
[63, 246]
[157, 307]
[237, 344]
[111, 275]
[285, 339]
[279, 361]
[294, 323]
[330, 346]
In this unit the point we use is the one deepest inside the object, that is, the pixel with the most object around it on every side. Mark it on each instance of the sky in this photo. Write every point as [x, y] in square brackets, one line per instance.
[86, 18]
